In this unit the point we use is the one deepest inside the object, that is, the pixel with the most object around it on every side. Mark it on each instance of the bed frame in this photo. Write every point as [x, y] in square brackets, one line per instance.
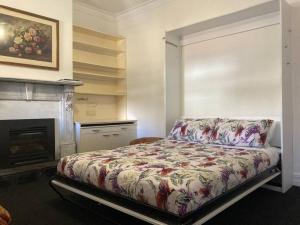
[152, 215]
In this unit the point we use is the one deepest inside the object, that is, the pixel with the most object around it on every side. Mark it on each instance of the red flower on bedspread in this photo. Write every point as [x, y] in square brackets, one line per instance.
[183, 130]
[166, 171]
[102, 175]
[163, 194]
[239, 130]
[263, 138]
[214, 133]
[205, 191]
[206, 130]
[209, 158]
[244, 173]
[108, 160]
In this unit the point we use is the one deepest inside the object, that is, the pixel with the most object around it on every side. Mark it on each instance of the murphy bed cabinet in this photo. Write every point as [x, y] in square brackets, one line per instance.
[104, 135]
[273, 14]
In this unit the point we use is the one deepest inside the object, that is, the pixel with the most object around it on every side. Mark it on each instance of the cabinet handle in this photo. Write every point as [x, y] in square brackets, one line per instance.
[96, 131]
[123, 128]
[116, 134]
[105, 135]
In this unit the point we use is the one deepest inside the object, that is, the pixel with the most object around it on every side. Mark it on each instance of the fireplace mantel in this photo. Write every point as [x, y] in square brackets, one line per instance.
[42, 92]
[48, 82]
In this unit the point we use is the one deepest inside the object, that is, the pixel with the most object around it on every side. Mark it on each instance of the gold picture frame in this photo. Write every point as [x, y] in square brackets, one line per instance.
[28, 39]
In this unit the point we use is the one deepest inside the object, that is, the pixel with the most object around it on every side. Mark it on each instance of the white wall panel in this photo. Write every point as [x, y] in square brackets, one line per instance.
[173, 85]
[237, 75]
[296, 90]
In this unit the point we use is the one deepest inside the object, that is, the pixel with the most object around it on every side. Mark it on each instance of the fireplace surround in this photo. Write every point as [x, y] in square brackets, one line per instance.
[26, 142]
[37, 99]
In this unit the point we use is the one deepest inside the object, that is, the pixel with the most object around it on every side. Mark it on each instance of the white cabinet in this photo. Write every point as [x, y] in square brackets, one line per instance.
[104, 135]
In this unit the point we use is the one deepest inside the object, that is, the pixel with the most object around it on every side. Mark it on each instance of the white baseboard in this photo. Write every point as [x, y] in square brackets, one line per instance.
[296, 180]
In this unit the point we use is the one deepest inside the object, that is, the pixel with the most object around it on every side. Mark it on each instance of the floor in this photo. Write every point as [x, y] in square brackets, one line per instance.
[31, 202]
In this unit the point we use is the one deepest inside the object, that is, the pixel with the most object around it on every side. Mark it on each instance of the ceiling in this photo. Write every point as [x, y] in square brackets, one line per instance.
[115, 6]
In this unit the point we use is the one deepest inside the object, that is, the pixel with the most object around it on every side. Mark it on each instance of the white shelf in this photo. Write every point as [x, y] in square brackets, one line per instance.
[96, 48]
[97, 34]
[89, 75]
[95, 66]
[111, 93]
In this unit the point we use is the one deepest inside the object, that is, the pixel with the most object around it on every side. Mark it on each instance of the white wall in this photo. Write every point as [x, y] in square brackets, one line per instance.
[296, 77]
[91, 18]
[237, 75]
[56, 9]
[144, 29]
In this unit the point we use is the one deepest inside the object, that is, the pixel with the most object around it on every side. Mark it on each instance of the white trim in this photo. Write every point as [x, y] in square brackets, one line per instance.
[272, 188]
[141, 9]
[233, 28]
[109, 204]
[136, 7]
[133, 9]
[296, 180]
[157, 222]
[93, 11]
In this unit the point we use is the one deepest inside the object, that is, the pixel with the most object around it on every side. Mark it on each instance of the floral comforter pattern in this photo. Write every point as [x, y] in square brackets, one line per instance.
[175, 176]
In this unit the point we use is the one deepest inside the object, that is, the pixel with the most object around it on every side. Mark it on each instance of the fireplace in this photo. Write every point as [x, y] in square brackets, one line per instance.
[26, 142]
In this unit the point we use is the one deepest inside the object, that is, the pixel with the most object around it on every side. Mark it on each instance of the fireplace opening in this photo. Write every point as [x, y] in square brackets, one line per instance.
[26, 142]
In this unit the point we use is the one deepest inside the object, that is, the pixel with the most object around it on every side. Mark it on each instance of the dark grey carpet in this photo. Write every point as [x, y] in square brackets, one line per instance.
[32, 202]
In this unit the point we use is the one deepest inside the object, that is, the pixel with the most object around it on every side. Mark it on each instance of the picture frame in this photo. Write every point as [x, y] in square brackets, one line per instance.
[28, 39]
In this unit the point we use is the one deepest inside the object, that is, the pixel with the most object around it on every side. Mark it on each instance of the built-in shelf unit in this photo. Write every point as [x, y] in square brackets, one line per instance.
[185, 75]
[99, 60]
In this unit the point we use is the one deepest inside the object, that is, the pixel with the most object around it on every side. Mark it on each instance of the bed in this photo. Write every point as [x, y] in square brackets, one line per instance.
[178, 180]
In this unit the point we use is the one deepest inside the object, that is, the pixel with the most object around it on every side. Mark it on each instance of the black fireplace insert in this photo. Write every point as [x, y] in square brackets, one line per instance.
[27, 141]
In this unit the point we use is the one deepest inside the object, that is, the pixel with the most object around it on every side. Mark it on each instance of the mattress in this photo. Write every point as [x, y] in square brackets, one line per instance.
[174, 176]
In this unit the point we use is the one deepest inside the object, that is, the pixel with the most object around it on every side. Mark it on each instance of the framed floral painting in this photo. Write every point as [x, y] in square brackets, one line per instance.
[27, 39]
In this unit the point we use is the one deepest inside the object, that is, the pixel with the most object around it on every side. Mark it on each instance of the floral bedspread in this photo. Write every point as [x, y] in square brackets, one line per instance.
[175, 176]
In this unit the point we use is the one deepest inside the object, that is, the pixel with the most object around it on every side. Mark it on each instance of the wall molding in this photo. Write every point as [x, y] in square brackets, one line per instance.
[78, 4]
[144, 8]
[93, 11]
[137, 9]
[141, 6]
[233, 28]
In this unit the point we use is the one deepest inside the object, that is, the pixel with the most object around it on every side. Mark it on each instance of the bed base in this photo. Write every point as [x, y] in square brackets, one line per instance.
[56, 183]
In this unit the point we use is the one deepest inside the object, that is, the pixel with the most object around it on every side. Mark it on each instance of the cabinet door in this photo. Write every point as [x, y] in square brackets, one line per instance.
[105, 137]
[128, 133]
[94, 139]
